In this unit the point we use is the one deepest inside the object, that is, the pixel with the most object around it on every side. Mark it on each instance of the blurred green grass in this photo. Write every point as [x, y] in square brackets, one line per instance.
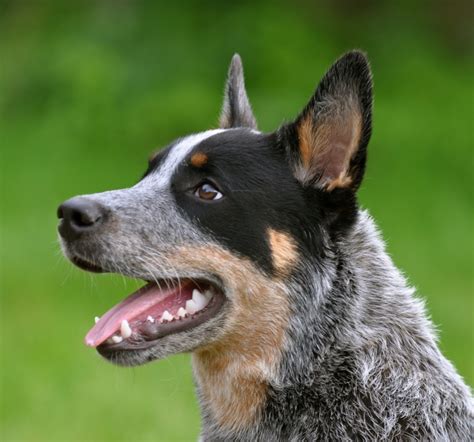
[87, 90]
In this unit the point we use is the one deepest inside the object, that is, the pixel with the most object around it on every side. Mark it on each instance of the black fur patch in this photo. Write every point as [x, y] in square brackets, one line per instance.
[260, 192]
[256, 174]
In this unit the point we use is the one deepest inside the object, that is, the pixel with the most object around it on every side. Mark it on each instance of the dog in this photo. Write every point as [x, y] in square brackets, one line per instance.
[258, 260]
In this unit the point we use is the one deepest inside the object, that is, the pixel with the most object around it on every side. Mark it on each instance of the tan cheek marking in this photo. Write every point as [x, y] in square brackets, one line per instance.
[199, 159]
[284, 251]
[233, 371]
[231, 388]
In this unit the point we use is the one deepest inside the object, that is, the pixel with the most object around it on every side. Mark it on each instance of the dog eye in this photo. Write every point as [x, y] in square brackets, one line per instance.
[207, 191]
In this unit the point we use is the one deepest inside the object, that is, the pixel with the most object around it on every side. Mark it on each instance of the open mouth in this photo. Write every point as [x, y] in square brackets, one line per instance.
[156, 310]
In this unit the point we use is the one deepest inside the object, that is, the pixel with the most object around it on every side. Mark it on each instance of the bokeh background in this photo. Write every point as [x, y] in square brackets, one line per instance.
[88, 89]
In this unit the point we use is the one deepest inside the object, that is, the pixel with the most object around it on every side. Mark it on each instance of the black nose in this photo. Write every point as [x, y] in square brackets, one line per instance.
[79, 215]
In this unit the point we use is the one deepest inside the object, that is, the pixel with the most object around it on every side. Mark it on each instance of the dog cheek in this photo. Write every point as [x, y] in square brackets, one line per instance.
[233, 371]
[284, 252]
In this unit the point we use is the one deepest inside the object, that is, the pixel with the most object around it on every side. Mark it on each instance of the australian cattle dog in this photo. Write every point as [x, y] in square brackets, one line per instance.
[258, 260]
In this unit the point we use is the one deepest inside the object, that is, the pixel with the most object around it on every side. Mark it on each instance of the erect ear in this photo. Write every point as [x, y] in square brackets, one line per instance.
[236, 110]
[327, 143]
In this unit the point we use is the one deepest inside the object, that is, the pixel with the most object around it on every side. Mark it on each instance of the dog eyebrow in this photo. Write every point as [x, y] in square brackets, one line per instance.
[198, 159]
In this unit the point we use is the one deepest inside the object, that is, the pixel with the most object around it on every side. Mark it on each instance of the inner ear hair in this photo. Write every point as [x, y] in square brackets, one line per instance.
[328, 141]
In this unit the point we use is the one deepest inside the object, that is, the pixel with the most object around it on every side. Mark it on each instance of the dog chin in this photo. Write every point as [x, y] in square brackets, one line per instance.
[162, 318]
[184, 342]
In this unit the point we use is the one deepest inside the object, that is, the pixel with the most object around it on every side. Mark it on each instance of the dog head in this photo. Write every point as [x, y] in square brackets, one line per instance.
[223, 222]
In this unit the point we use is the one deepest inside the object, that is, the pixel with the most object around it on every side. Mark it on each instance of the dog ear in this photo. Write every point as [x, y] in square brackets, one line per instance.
[327, 143]
[236, 110]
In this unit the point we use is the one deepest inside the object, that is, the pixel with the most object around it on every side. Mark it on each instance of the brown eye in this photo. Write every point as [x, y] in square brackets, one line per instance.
[207, 191]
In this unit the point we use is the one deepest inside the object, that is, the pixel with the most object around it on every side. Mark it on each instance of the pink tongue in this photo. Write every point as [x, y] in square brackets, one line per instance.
[129, 308]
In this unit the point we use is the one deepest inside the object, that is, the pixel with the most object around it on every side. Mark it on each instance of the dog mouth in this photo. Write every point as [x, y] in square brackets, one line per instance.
[154, 311]
[86, 265]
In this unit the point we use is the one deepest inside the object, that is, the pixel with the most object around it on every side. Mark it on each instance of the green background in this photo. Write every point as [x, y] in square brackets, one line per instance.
[89, 89]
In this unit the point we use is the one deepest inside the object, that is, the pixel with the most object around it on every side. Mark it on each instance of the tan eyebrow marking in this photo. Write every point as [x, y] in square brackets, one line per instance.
[199, 159]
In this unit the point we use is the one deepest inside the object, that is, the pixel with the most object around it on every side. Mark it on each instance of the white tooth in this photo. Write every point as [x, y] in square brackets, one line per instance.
[208, 294]
[191, 307]
[117, 339]
[182, 312]
[199, 299]
[150, 319]
[125, 329]
[167, 316]
[96, 319]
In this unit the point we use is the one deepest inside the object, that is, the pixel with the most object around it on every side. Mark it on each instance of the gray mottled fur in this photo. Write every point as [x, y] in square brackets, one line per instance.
[144, 227]
[361, 360]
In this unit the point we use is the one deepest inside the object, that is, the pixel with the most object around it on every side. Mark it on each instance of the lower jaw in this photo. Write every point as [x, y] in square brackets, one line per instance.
[151, 336]
[87, 266]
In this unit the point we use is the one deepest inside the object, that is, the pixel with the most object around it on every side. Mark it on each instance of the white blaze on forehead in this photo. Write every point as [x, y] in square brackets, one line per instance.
[178, 153]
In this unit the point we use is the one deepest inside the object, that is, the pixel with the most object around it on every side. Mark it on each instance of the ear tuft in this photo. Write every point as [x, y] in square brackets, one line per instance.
[333, 130]
[236, 110]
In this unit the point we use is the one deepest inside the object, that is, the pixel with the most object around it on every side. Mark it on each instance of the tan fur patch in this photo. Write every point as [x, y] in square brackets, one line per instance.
[341, 181]
[327, 146]
[306, 142]
[233, 372]
[199, 159]
[284, 251]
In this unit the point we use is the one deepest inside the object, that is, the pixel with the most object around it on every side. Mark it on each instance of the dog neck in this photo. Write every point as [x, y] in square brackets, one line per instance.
[355, 298]
[233, 374]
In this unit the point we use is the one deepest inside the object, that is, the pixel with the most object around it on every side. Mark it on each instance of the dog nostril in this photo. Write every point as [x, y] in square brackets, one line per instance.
[78, 216]
[84, 218]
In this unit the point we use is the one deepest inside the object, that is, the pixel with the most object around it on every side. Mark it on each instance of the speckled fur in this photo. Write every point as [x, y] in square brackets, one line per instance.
[361, 360]
[328, 342]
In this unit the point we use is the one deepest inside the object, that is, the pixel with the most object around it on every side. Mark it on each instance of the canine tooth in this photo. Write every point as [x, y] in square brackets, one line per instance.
[117, 339]
[182, 312]
[125, 329]
[150, 319]
[199, 299]
[191, 307]
[96, 319]
[167, 316]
